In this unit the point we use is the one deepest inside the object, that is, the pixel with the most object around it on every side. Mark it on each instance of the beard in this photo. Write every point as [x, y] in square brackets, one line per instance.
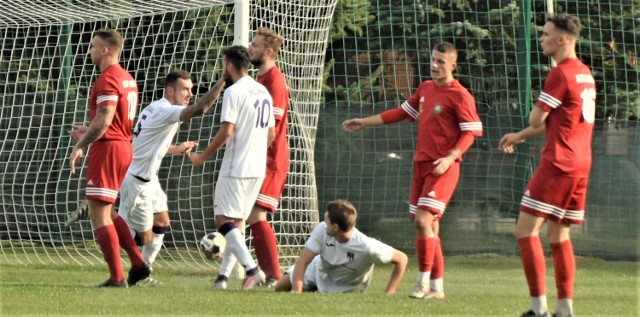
[257, 62]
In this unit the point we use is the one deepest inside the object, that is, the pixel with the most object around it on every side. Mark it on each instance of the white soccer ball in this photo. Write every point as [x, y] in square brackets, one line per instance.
[212, 245]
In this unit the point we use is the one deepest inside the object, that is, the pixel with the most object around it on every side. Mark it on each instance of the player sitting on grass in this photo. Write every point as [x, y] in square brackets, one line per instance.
[338, 258]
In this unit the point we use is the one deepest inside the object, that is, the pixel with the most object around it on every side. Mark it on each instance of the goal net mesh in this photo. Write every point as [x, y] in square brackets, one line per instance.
[45, 80]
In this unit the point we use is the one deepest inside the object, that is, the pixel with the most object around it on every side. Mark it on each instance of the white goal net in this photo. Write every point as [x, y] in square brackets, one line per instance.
[45, 78]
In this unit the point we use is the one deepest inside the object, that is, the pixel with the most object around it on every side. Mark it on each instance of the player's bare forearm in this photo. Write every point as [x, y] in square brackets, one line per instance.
[399, 261]
[98, 126]
[204, 103]
[356, 124]
[306, 256]
[182, 148]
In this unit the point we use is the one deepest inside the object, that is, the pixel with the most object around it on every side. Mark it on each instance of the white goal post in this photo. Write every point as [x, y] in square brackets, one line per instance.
[45, 78]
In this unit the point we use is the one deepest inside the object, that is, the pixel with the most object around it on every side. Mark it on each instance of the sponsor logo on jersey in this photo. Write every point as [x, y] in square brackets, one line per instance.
[432, 194]
[90, 183]
[527, 193]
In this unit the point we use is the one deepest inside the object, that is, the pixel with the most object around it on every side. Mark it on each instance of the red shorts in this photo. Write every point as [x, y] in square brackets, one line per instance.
[555, 196]
[430, 192]
[271, 190]
[108, 164]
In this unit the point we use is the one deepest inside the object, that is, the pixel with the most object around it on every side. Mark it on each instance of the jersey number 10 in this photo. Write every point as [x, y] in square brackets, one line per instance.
[264, 112]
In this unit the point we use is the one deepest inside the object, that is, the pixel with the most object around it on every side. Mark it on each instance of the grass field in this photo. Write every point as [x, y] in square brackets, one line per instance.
[480, 285]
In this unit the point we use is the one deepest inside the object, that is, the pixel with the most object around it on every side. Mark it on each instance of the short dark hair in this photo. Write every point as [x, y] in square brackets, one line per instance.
[172, 77]
[567, 23]
[113, 39]
[446, 47]
[342, 213]
[238, 55]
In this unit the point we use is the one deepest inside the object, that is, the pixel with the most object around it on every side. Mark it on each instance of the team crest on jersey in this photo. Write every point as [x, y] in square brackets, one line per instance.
[350, 256]
[437, 110]
[421, 108]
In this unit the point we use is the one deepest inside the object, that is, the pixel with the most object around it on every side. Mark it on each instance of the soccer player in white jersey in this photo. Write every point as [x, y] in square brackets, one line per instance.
[143, 204]
[246, 128]
[338, 258]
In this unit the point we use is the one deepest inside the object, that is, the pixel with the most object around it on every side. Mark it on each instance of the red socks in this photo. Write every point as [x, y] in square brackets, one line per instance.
[437, 271]
[127, 242]
[266, 248]
[108, 241]
[533, 263]
[564, 265]
[425, 249]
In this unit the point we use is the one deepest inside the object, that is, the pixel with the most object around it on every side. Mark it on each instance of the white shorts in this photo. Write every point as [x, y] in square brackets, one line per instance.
[309, 283]
[235, 197]
[139, 201]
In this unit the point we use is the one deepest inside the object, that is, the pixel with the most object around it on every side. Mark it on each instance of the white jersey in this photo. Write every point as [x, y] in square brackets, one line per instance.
[248, 105]
[152, 137]
[345, 267]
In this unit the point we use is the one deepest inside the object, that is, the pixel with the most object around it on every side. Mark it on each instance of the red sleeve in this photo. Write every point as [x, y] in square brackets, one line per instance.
[280, 94]
[555, 87]
[107, 93]
[468, 119]
[393, 115]
[465, 141]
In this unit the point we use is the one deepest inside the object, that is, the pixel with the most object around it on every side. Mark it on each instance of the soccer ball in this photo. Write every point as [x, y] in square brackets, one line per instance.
[212, 245]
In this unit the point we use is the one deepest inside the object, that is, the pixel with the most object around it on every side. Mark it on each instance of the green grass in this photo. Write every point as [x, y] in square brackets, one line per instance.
[480, 285]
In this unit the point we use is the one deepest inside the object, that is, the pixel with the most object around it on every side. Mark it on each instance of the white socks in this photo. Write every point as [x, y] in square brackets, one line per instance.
[151, 249]
[539, 304]
[236, 244]
[565, 307]
[437, 285]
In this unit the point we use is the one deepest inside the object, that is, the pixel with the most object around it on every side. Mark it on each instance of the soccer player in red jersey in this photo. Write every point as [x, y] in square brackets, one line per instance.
[565, 110]
[447, 126]
[112, 107]
[263, 50]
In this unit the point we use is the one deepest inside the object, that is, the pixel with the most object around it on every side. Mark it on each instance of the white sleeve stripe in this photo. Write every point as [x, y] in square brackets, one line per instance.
[103, 98]
[551, 101]
[409, 110]
[471, 126]
[278, 111]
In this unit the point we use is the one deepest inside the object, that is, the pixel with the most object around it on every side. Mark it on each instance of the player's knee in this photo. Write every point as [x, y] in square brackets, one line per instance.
[283, 284]
[258, 213]
[142, 238]
[161, 219]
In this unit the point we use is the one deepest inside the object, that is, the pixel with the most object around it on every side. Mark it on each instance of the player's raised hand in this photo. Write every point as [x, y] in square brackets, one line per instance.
[352, 125]
[186, 147]
[197, 159]
[77, 131]
[508, 142]
[75, 157]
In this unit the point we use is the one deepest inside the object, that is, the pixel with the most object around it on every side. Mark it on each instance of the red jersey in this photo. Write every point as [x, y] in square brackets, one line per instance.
[443, 114]
[569, 94]
[115, 87]
[278, 152]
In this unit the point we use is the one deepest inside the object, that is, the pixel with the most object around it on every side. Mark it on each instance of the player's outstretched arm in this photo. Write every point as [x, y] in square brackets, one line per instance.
[224, 133]
[355, 124]
[204, 103]
[399, 261]
[306, 256]
[182, 148]
[536, 127]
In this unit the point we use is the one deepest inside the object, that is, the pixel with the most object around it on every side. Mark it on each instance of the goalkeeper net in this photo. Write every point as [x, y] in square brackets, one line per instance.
[45, 80]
